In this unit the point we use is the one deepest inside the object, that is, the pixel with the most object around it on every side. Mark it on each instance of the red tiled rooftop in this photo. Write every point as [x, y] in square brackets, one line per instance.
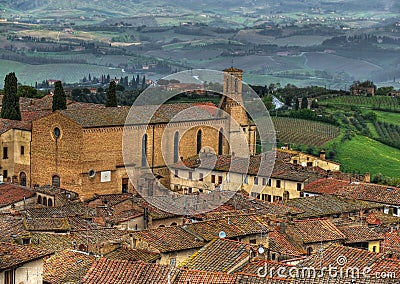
[12, 255]
[67, 266]
[356, 190]
[358, 234]
[10, 194]
[314, 231]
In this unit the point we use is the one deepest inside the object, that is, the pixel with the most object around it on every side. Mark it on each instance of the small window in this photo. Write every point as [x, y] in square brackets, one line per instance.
[125, 183]
[278, 183]
[264, 197]
[295, 162]
[269, 198]
[255, 180]
[190, 175]
[309, 164]
[9, 276]
[5, 173]
[22, 179]
[22, 150]
[176, 173]
[5, 152]
[50, 202]
[246, 180]
[298, 186]
[219, 179]
[55, 181]
[264, 181]
[269, 182]
[309, 251]
[273, 256]
[212, 178]
[201, 177]
[253, 241]
[395, 211]
[39, 199]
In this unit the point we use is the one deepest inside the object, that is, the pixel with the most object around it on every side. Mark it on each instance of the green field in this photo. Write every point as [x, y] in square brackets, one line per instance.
[306, 132]
[380, 102]
[367, 155]
[389, 117]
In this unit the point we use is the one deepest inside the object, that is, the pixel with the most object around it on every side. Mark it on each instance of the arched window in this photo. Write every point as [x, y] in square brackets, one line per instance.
[176, 147]
[55, 181]
[44, 201]
[220, 141]
[22, 179]
[39, 199]
[236, 84]
[199, 141]
[50, 202]
[144, 150]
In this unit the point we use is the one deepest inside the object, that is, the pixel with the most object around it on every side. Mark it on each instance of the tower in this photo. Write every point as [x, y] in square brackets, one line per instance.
[232, 103]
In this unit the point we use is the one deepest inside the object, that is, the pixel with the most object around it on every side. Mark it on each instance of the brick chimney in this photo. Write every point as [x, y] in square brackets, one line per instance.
[367, 177]
[322, 154]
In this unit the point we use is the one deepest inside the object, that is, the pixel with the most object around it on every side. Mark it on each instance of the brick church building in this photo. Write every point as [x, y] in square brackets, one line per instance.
[81, 149]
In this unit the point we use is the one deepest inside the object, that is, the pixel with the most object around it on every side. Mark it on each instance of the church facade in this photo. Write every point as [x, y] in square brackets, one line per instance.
[81, 149]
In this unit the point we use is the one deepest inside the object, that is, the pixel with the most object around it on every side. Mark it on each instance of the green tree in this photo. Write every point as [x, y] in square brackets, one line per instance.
[111, 95]
[10, 108]
[28, 92]
[268, 102]
[59, 97]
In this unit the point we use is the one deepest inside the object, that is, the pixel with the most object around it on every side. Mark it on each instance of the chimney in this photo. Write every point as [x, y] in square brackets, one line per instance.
[322, 155]
[146, 218]
[367, 177]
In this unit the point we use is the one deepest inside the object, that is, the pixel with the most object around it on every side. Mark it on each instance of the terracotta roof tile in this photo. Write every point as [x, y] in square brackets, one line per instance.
[12, 255]
[233, 226]
[10, 226]
[110, 271]
[125, 253]
[186, 276]
[352, 257]
[47, 224]
[328, 205]
[356, 190]
[116, 116]
[279, 242]
[358, 234]
[220, 255]
[314, 231]
[167, 239]
[69, 210]
[391, 243]
[67, 266]
[11, 193]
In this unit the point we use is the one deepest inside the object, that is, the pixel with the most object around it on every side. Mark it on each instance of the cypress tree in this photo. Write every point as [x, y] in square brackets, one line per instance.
[111, 95]
[10, 108]
[59, 97]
